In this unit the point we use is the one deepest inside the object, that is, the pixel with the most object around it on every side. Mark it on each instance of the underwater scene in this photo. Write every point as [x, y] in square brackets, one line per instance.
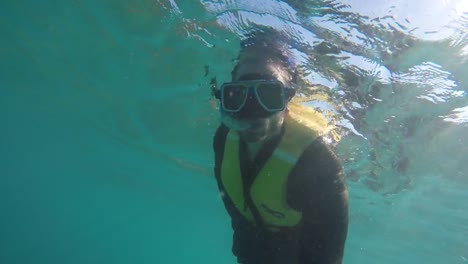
[108, 118]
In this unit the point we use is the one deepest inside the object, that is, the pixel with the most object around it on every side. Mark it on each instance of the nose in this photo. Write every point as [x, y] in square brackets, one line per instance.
[252, 109]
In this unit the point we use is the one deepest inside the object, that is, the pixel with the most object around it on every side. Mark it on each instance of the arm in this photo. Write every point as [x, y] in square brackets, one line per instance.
[318, 184]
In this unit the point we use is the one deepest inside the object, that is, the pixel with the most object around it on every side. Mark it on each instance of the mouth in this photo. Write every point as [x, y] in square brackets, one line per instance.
[243, 125]
[235, 124]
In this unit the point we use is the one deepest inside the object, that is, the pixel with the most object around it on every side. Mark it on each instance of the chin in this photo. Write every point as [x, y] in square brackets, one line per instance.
[235, 124]
[254, 130]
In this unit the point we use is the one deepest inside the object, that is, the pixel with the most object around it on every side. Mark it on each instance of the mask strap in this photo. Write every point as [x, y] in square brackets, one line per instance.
[214, 88]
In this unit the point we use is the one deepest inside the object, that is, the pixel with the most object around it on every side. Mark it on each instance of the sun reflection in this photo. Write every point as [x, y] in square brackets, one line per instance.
[461, 7]
[459, 115]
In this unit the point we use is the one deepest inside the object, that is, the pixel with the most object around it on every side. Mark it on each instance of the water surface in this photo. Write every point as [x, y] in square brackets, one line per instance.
[108, 120]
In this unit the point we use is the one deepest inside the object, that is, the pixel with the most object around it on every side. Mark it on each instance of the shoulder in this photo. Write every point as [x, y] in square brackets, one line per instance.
[321, 156]
[219, 139]
[220, 134]
[316, 172]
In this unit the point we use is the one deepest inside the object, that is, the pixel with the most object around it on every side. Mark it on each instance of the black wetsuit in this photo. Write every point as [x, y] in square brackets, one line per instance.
[316, 187]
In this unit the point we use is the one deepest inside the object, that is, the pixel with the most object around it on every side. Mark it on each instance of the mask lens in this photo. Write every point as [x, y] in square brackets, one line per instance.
[271, 96]
[234, 96]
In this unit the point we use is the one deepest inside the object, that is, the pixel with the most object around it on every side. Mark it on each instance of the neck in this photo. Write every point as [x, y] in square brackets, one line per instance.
[254, 147]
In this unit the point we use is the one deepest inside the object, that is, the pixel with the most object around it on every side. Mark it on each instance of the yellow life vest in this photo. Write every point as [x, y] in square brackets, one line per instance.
[268, 190]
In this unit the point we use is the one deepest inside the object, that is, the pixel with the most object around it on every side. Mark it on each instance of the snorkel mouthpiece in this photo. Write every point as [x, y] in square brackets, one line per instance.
[234, 123]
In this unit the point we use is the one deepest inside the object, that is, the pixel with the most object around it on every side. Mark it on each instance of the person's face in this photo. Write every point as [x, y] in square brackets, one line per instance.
[253, 127]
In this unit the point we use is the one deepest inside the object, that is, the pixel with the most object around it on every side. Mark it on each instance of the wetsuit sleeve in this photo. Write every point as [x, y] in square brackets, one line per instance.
[219, 141]
[317, 188]
[218, 145]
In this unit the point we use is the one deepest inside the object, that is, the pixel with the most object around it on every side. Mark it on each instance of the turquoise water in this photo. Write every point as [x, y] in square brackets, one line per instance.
[107, 125]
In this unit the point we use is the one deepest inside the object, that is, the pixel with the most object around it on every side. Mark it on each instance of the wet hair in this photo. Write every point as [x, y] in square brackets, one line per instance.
[267, 45]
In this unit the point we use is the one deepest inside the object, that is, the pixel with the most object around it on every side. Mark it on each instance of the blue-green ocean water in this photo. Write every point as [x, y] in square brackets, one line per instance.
[107, 121]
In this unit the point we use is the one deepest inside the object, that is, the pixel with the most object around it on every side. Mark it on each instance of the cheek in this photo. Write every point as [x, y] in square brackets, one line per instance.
[278, 118]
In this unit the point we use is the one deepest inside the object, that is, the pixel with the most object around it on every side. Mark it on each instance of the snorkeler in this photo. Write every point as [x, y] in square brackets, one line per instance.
[282, 186]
